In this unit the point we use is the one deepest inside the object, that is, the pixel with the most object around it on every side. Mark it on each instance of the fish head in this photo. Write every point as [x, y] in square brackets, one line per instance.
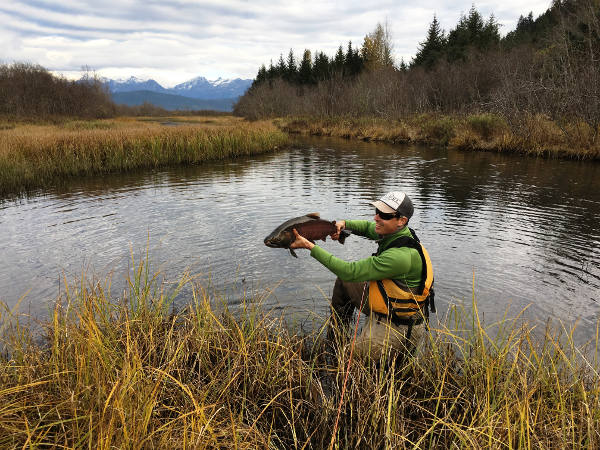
[280, 239]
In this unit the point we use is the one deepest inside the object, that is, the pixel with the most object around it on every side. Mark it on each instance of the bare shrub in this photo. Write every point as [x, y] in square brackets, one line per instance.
[29, 91]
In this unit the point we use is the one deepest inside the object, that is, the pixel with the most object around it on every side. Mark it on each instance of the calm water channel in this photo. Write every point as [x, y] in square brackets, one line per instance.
[525, 231]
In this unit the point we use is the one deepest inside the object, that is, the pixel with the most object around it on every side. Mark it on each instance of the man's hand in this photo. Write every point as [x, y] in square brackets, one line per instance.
[339, 225]
[301, 242]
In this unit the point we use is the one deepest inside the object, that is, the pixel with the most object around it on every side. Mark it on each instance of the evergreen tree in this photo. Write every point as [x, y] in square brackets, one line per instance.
[474, 26]
[490, 35]
[261, 76]
[432, 49]
[281, 68]
[349, 60]
[471, 32]
[321, 67]
[305, 75]
[458, 40]
[291, 73]
[271, 72]
[523, 33]
[402, 67]
[339, 61]
[353, 62]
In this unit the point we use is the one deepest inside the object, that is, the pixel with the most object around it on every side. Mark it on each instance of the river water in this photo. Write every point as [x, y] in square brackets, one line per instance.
[510, 231]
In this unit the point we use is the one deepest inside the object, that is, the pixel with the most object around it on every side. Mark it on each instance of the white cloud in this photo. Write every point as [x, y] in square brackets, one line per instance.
[172, 40]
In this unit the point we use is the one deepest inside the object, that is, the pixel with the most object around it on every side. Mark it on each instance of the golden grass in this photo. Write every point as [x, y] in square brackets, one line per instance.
[37, 155]
[532, 135]
[131, 373]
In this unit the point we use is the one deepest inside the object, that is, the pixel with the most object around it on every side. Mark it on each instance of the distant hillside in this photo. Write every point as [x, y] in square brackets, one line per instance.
[171, 101]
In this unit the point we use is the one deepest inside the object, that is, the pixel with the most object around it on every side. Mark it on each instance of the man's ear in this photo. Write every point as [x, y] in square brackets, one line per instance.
[402, 221]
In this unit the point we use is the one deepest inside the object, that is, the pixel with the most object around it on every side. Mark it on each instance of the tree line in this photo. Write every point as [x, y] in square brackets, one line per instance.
[375, 53]
[29, 91]
[549, 65]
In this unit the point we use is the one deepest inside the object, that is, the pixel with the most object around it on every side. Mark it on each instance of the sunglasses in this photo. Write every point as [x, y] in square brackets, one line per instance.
[384, 216]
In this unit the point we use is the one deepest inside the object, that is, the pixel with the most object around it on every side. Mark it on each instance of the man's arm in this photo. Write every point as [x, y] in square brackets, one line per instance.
[390, 264]
[364, 228]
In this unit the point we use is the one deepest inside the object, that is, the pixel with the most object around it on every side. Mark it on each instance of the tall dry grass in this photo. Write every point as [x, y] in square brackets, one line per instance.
[132, 373]
[535, 135]
[37, 155]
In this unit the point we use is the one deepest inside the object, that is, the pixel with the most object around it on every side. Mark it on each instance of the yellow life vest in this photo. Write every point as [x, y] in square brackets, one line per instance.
[394, 299]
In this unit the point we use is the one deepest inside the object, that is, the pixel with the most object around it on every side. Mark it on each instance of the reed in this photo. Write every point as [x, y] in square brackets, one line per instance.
[534, 135]
[133, 373]
[34, 156]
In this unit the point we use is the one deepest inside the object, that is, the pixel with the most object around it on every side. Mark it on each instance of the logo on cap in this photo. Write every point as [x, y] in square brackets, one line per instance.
[393, 199]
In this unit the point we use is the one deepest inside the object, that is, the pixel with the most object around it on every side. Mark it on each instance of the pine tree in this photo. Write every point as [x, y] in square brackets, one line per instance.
[321, 67]
[261, 76]
[271, 72]
[490, 35]
[339, 61]
[305, 75]
[402, 67]
[471, 32]
[432, 49]
[458, 40]
[281, 68]
[523, 33]
[475, 26]
[352, 61]
[291, 73]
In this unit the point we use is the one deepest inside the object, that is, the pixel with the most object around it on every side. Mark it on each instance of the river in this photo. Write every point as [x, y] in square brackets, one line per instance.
[511, 231]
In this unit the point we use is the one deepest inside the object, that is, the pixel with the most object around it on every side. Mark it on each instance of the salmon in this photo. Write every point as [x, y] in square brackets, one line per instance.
[310, 226]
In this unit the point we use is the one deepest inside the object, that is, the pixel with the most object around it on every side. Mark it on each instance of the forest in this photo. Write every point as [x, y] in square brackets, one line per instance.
[546, 66]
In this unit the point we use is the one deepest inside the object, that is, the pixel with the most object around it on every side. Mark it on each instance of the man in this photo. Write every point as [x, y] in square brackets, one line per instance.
[393, 286]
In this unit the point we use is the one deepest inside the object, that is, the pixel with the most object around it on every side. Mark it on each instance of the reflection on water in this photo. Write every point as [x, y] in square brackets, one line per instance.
[524, 230]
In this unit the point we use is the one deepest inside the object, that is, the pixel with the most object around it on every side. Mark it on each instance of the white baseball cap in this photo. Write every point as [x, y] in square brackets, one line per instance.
[395, 202]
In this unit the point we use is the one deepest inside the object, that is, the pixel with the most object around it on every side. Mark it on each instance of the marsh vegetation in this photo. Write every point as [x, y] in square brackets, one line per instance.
[133, 372]
[33, 156]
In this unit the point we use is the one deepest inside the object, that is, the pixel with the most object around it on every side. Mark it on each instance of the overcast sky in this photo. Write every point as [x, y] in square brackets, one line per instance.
[175, 40]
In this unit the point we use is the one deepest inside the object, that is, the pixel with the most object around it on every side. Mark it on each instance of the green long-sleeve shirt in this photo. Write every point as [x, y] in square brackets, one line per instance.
[396, 263]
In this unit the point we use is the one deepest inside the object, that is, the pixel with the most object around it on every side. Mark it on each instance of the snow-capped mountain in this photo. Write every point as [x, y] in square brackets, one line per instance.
[219, 94]
[199, 87]
[133, 84]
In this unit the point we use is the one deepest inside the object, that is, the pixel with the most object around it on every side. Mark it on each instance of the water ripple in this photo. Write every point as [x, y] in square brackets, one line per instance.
[526, 230]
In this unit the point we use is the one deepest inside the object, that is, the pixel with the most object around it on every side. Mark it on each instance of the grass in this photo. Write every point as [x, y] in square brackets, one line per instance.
[132, 373]
[33, 156]
[531, 135]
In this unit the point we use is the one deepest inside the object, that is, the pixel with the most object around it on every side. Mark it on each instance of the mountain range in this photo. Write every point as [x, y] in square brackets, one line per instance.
[197, 93]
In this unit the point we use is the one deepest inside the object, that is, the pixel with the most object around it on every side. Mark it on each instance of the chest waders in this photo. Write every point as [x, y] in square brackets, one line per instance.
[395, 300]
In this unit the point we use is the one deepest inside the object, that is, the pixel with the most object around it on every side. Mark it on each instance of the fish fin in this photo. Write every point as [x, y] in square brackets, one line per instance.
[343, 235]
[314, 215]
[293, 253]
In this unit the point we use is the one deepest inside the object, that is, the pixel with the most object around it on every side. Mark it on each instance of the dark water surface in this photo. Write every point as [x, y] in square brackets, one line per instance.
[526, 231]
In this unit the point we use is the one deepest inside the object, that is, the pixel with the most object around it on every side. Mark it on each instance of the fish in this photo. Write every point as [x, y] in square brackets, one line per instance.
[310, 226]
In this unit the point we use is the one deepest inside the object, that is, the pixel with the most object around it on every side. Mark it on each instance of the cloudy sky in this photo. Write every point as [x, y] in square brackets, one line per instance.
[175, 40]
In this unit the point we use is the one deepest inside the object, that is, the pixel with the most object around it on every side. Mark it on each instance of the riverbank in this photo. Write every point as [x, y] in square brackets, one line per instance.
[132, 373]
[532, 135]
[33, 156]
